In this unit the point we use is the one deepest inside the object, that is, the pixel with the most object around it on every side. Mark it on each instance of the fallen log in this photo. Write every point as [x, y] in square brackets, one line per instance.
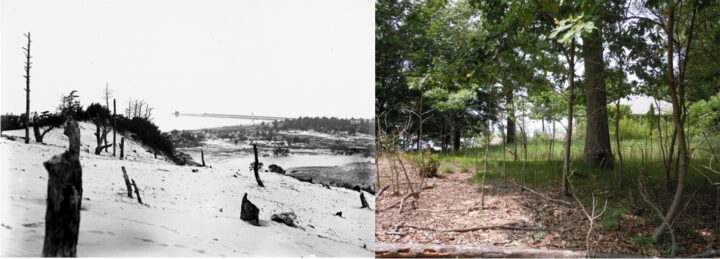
[460, 230]
[384, 250]
[706, 254]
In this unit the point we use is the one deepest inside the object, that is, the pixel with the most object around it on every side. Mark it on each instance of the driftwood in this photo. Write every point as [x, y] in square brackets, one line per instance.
[128, 185]
[461, 230]
[64, 197]
[567, 203]
[384, 250]
[137, 192]
[255, 167]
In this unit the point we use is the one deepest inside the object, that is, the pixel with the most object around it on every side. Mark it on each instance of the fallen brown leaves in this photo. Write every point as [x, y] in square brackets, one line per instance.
[539, 218]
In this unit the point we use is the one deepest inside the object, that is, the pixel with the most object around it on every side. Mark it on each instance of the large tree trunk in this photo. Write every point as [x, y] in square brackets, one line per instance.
[64, 197]
[510, 128]
[114, 126]
[597, 151]
[456, 138]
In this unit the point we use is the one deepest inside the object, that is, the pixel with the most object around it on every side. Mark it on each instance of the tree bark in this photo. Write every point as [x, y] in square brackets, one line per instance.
[64, 197]
[255, 168]
[597, 151]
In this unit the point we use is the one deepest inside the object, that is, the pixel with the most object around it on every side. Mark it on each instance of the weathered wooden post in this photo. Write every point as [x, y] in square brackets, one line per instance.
[127, 182]
[363, 201]
[137, 192]
[114, 125]
[64, 195]
[122, 148]
[202, 157]
[257, 164]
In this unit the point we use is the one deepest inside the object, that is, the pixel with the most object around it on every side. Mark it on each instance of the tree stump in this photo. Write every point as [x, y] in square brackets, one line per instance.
[249, 212]
[137, 192]
[363, 201]
[64, 197]
[128, 185]
[287, 218]
[255, 168]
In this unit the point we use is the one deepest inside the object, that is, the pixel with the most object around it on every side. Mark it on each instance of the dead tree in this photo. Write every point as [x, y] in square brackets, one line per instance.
[27, 88]
[64, 197]
[137, 192]
[128, 185]
[39, 121]
[114, 125]
[202, 157]
[100, 116]
[255, 167]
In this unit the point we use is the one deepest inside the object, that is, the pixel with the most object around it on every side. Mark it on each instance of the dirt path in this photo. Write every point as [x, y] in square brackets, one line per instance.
[453, 203]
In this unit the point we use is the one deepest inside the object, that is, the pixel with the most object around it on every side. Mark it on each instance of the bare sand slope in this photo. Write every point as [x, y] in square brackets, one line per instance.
[186, 213]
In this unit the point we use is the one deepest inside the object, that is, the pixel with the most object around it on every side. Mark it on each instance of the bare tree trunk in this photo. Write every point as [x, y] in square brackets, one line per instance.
[114, 125]
[257, 176]
[420, 115]
[485, 156]
[679, 126]
[27, 88]
[617, 128]
[127, 182]
[64, 197]
[568, 133]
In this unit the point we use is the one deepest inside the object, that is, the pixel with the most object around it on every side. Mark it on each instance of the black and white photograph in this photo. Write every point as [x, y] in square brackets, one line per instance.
[187, 128]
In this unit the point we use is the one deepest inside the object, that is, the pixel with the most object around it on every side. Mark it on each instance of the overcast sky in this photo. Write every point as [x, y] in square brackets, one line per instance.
[276, 58]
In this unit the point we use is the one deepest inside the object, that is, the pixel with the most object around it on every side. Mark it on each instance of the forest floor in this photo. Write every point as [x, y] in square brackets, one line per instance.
[452, 202]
